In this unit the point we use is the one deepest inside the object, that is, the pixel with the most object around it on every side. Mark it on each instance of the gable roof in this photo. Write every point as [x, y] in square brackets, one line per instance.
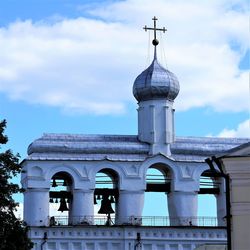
[240, 151]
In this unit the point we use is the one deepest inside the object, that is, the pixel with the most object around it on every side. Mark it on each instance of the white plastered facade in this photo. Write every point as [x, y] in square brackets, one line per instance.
[237, 165]
[132, 185]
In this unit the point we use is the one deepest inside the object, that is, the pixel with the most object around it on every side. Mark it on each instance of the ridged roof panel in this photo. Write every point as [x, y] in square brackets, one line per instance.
[124, 147]
[156, 82]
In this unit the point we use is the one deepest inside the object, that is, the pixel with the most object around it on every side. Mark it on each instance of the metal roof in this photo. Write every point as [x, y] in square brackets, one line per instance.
[156, 82]
[124, 147]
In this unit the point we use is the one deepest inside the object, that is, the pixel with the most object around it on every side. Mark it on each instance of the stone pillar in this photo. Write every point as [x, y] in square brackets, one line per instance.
[36, 206]
[221, 203]
[129, 208]
[182, 208]
[82, 210]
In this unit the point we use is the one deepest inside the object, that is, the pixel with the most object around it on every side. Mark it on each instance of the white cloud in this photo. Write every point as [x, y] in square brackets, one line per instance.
[243, 130]
[89, 65]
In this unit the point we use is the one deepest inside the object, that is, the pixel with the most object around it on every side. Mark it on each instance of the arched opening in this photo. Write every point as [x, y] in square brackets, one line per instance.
[60, 198]
[158, 185]
[211, 199]
[106, 197]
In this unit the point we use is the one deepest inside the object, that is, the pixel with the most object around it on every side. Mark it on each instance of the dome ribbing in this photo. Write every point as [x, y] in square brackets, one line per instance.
[156, 82]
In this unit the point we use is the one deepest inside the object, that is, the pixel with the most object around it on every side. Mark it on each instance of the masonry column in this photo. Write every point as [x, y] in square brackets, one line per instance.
[130, 206]
[36, 206]
[82, 211]
[182, 208]
[221, 203]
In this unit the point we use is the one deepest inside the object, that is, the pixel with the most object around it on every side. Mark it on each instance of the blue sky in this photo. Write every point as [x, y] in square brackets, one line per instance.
[69, 66]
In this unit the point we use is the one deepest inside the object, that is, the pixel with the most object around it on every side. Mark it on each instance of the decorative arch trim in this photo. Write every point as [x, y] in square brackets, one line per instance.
[159, 159]
[199, 170]
[108, 165]
[74, 174]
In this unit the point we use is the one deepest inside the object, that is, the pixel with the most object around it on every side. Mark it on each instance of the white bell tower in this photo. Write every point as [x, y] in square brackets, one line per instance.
[87, 192]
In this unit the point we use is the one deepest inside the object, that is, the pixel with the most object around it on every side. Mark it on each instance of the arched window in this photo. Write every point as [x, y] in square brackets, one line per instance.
[60, 198]
[211, 198]
[106, 196]
[158, 185]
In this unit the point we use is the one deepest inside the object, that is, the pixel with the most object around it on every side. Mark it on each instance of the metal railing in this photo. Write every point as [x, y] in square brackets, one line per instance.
[136, 221]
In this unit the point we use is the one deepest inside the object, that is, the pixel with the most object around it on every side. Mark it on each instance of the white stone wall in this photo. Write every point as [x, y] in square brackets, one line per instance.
[125, 238]
[131, 184]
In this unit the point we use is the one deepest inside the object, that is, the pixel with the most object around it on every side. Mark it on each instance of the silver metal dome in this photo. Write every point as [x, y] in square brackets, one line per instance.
[156, 82]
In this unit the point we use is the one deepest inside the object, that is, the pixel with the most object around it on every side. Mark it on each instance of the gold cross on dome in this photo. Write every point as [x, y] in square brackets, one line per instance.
[155, 41]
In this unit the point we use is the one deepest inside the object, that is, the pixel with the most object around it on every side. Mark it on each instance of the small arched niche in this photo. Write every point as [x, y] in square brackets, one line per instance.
[60, 198]
[37, 171]
[158, 185]
[106, 196]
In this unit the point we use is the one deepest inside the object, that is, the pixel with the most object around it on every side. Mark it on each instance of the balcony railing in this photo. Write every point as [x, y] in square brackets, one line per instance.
[136, 221]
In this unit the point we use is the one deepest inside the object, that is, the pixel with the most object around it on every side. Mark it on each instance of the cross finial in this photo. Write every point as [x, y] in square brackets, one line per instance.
[155, 41]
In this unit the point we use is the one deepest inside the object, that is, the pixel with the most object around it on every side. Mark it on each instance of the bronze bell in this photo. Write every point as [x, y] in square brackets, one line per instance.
[112, 200]
[63, 205]
[106, 207]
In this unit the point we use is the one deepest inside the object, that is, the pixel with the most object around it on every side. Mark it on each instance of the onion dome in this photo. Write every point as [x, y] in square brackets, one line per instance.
[156, 82]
